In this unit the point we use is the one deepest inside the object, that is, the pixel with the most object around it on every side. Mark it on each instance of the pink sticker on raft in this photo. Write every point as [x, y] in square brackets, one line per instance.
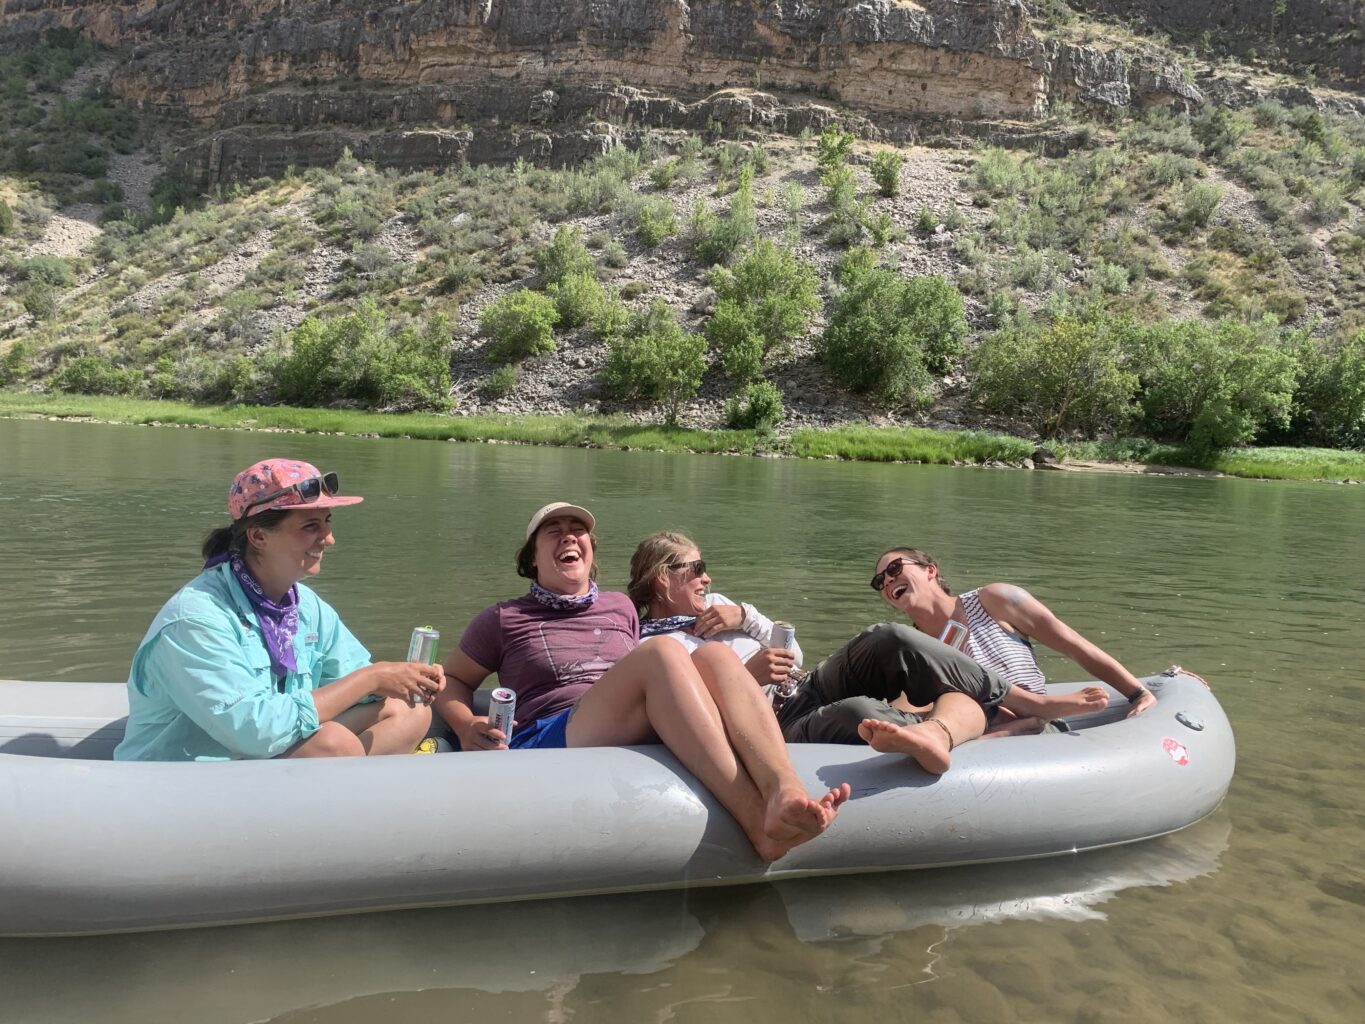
[1177, 750]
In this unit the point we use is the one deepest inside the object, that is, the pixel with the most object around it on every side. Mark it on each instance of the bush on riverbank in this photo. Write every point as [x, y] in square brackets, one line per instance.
[886, 332]
[654, 358]
[365, 358]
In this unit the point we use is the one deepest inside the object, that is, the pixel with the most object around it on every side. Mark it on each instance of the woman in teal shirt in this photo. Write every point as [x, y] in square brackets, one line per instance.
[245, 661]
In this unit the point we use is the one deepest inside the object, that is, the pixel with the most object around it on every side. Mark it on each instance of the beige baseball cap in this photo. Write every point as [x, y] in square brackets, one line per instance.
[559, 508]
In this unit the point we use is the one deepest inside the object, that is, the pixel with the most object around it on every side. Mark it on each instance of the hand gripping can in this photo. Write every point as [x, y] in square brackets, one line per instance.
[422, 647]
[781, 638]
[502, 706]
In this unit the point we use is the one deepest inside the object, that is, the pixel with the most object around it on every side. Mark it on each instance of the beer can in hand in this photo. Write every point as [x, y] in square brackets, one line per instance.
[422, 648]
[782, 636]
[502, 706]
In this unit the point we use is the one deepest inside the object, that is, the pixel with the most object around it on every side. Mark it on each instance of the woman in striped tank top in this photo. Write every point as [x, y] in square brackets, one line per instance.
[1001, 621]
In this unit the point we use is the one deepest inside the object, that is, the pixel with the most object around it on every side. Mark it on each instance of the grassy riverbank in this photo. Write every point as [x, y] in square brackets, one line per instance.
[863, 444]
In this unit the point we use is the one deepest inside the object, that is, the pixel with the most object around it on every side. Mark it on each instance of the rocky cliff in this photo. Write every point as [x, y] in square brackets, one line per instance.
[427, 81]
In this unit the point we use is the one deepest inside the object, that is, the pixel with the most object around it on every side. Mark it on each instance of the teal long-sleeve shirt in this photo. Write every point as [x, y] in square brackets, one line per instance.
[201, 688]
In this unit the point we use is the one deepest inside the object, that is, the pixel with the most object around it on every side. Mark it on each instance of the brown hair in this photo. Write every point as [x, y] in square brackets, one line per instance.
[652, 556]
[918, 557]
[526, 556]
[232, 538]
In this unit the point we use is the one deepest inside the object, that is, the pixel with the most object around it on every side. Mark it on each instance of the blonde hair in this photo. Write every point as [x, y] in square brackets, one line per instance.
[652, 557]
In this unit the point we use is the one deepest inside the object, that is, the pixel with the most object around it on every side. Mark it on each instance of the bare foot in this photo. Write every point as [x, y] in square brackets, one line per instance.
[1092, 698]
[927, 744]
[793, 818]
[1015, 727]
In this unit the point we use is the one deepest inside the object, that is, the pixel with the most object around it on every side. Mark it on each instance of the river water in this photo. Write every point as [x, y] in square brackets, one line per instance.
[1255, 914]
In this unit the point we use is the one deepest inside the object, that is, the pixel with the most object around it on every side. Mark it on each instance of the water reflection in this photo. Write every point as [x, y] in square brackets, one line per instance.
[349, 965]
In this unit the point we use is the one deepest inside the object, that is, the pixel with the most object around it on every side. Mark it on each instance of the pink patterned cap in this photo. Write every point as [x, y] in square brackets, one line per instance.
[283, 483]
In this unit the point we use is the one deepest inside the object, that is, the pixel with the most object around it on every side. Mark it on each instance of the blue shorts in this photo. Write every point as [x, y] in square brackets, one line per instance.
[543, 732]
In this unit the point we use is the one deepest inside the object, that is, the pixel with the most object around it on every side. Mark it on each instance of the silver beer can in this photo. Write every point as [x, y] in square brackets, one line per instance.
[502, 706]
[954, 635]
[782, 636]
[422, 648]
[422, 645]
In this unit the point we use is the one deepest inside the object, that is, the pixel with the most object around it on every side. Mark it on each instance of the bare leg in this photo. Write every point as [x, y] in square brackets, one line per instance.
[388, 726]
[1013, 726]
[1026, 703]
[657, 691]
[956, 718]
[331, 740]
[753, 732]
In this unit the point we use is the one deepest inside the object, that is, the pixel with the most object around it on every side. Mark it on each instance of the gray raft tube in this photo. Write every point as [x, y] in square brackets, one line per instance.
[96, 846]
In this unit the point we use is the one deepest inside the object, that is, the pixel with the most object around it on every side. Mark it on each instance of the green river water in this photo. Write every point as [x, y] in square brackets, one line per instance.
[1255, 914]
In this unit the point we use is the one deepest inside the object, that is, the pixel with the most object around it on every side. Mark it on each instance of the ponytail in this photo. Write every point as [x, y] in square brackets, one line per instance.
[231, 539]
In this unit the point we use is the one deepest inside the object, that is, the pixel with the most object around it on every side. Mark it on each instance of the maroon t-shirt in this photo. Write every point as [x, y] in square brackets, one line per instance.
[549, 657]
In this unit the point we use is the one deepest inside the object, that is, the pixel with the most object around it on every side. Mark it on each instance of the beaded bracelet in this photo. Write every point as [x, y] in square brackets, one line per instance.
[1141, 692]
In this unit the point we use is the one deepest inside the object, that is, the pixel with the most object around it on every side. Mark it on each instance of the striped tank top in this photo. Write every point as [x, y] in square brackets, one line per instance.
[992, 645]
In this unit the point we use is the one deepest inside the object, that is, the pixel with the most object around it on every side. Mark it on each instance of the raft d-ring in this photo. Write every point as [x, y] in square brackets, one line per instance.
[1188, 722]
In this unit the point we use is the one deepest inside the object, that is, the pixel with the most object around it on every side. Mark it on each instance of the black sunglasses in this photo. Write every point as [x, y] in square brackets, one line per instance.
[308, 491]
[697, 565]
[893, 569]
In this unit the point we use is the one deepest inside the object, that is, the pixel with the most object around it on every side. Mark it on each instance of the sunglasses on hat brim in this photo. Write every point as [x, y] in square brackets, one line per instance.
[309, 491]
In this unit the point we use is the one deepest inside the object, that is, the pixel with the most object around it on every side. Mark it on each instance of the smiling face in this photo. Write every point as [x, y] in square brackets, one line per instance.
[682, 591]
[564, 556]
[292, 550]
[914, 588]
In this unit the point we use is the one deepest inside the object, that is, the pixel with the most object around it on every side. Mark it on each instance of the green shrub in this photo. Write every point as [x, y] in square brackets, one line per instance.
[872, 344]
[520, 324]
[833, 147]
[666, 173]
[719, 239]
[655, 221]
[6, 219]
[1215, 385]
[886, 171]
[40, 301]
[1197, 204]
[577, 296]
[738, 340]
[14, 364]
[462, 275]
[844, 224]
[764, 301]
[1067, 375]
[49, 270]
[366, 359]
[1329, 403]
[758, 407]
[655, 358]
[933, 310]
[614, 254]
[1220, 130]
[95, 375]
[1326, 205]
[998, 174]
[564, 255]
[501, 381]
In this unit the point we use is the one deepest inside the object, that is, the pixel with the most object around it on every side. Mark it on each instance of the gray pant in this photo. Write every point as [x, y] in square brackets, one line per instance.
[860, 679]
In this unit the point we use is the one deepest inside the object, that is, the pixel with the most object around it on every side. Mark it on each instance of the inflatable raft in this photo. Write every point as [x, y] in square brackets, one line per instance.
[93, 845]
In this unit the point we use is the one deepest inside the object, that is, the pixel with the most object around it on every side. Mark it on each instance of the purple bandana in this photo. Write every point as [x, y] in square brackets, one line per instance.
[564, 602]
[669, 624]
[279, 622]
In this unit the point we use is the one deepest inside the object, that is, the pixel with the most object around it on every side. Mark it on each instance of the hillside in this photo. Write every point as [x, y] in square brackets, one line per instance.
[382, 181]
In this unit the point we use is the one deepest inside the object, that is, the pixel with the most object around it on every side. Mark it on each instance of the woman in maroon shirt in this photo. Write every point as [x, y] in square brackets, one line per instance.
[583, 680]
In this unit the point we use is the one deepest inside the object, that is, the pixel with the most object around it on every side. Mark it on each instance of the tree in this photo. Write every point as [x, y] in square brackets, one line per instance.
[655, 358]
